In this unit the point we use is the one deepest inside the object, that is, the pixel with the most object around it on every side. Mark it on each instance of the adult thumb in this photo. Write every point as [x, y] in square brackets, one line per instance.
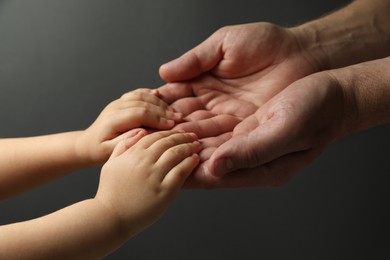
[249, 151]
[193, 63]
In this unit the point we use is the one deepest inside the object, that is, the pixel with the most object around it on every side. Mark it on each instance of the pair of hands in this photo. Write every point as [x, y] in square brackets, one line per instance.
[254, 97]
[246, 93]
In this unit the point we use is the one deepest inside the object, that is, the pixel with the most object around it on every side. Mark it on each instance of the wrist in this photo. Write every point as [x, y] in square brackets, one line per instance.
[354, 34]
[112, 217]
[84, 150]
[307, 39]
[125, 226]
[349, 112]
[366, 88]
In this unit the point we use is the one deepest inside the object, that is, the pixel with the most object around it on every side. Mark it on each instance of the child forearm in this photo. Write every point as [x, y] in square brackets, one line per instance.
[28, 162]
[85, 230]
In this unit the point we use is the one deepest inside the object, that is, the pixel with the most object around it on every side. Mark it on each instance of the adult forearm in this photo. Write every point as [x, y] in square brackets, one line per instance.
[356, 33]
[367, 94]
[85, 230]
[28, 162]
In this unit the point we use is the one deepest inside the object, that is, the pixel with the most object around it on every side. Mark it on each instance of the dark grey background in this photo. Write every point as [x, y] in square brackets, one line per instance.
[62, 61]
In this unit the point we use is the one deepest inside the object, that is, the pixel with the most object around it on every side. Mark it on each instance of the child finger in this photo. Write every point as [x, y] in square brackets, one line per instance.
[163, 144]
[147, 95]
[176, 177]
[142, 115]
[119, 149]
[174, 155]
[150, 139]
[129, 139]
[143, 107]
[153, 117]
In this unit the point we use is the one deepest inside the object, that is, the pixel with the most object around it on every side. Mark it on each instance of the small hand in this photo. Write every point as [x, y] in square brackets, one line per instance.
[144, 174]
[139, 108]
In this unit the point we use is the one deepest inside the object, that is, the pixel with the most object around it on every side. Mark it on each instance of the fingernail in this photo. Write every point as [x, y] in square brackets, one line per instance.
[174, 115]
[193, 135]
[142, 132]
[178, 115]
[135, 133]
[223, 166]
[197, 144]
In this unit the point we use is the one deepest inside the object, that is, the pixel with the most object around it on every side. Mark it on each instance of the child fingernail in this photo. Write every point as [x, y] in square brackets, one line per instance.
[174, 115]
[197, 144]
[196, 157]
[194, 136]
[178, 115]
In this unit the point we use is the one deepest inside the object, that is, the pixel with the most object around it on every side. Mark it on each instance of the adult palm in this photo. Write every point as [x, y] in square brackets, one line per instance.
[220, 84]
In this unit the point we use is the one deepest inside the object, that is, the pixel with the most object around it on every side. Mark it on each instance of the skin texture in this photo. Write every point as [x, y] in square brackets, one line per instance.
[138, 183]
[248, 91]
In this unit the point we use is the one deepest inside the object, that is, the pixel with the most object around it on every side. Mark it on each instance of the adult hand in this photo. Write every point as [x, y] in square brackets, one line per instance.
[290, 130]
[281, 137]
[268, 147]
[239, 68]
[228, 77]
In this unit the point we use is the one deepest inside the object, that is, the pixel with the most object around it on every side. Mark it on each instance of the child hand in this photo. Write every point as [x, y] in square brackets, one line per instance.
[139, 108]
[139, 183]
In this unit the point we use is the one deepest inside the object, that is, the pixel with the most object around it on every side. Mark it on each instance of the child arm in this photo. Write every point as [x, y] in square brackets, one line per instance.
[28, 162]
[137, 185]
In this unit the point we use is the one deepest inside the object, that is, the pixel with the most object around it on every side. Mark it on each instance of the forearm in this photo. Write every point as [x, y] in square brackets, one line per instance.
[367, 94]
[85, 230]
[28, 162]
[353, 34]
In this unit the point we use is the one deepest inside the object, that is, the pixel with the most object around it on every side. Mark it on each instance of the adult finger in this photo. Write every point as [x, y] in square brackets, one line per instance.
[210, 144]
[188, 105]
[273, 174]
[171, 92]
[193, 63]
[269, 141]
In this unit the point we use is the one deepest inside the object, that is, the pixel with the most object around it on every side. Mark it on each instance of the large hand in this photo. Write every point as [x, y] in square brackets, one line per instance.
[248, 53]
[231, 74]
[294, 127]
[284, 135]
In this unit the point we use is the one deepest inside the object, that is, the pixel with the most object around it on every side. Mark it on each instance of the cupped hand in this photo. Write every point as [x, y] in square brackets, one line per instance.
[225, 79]
[284, 135]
